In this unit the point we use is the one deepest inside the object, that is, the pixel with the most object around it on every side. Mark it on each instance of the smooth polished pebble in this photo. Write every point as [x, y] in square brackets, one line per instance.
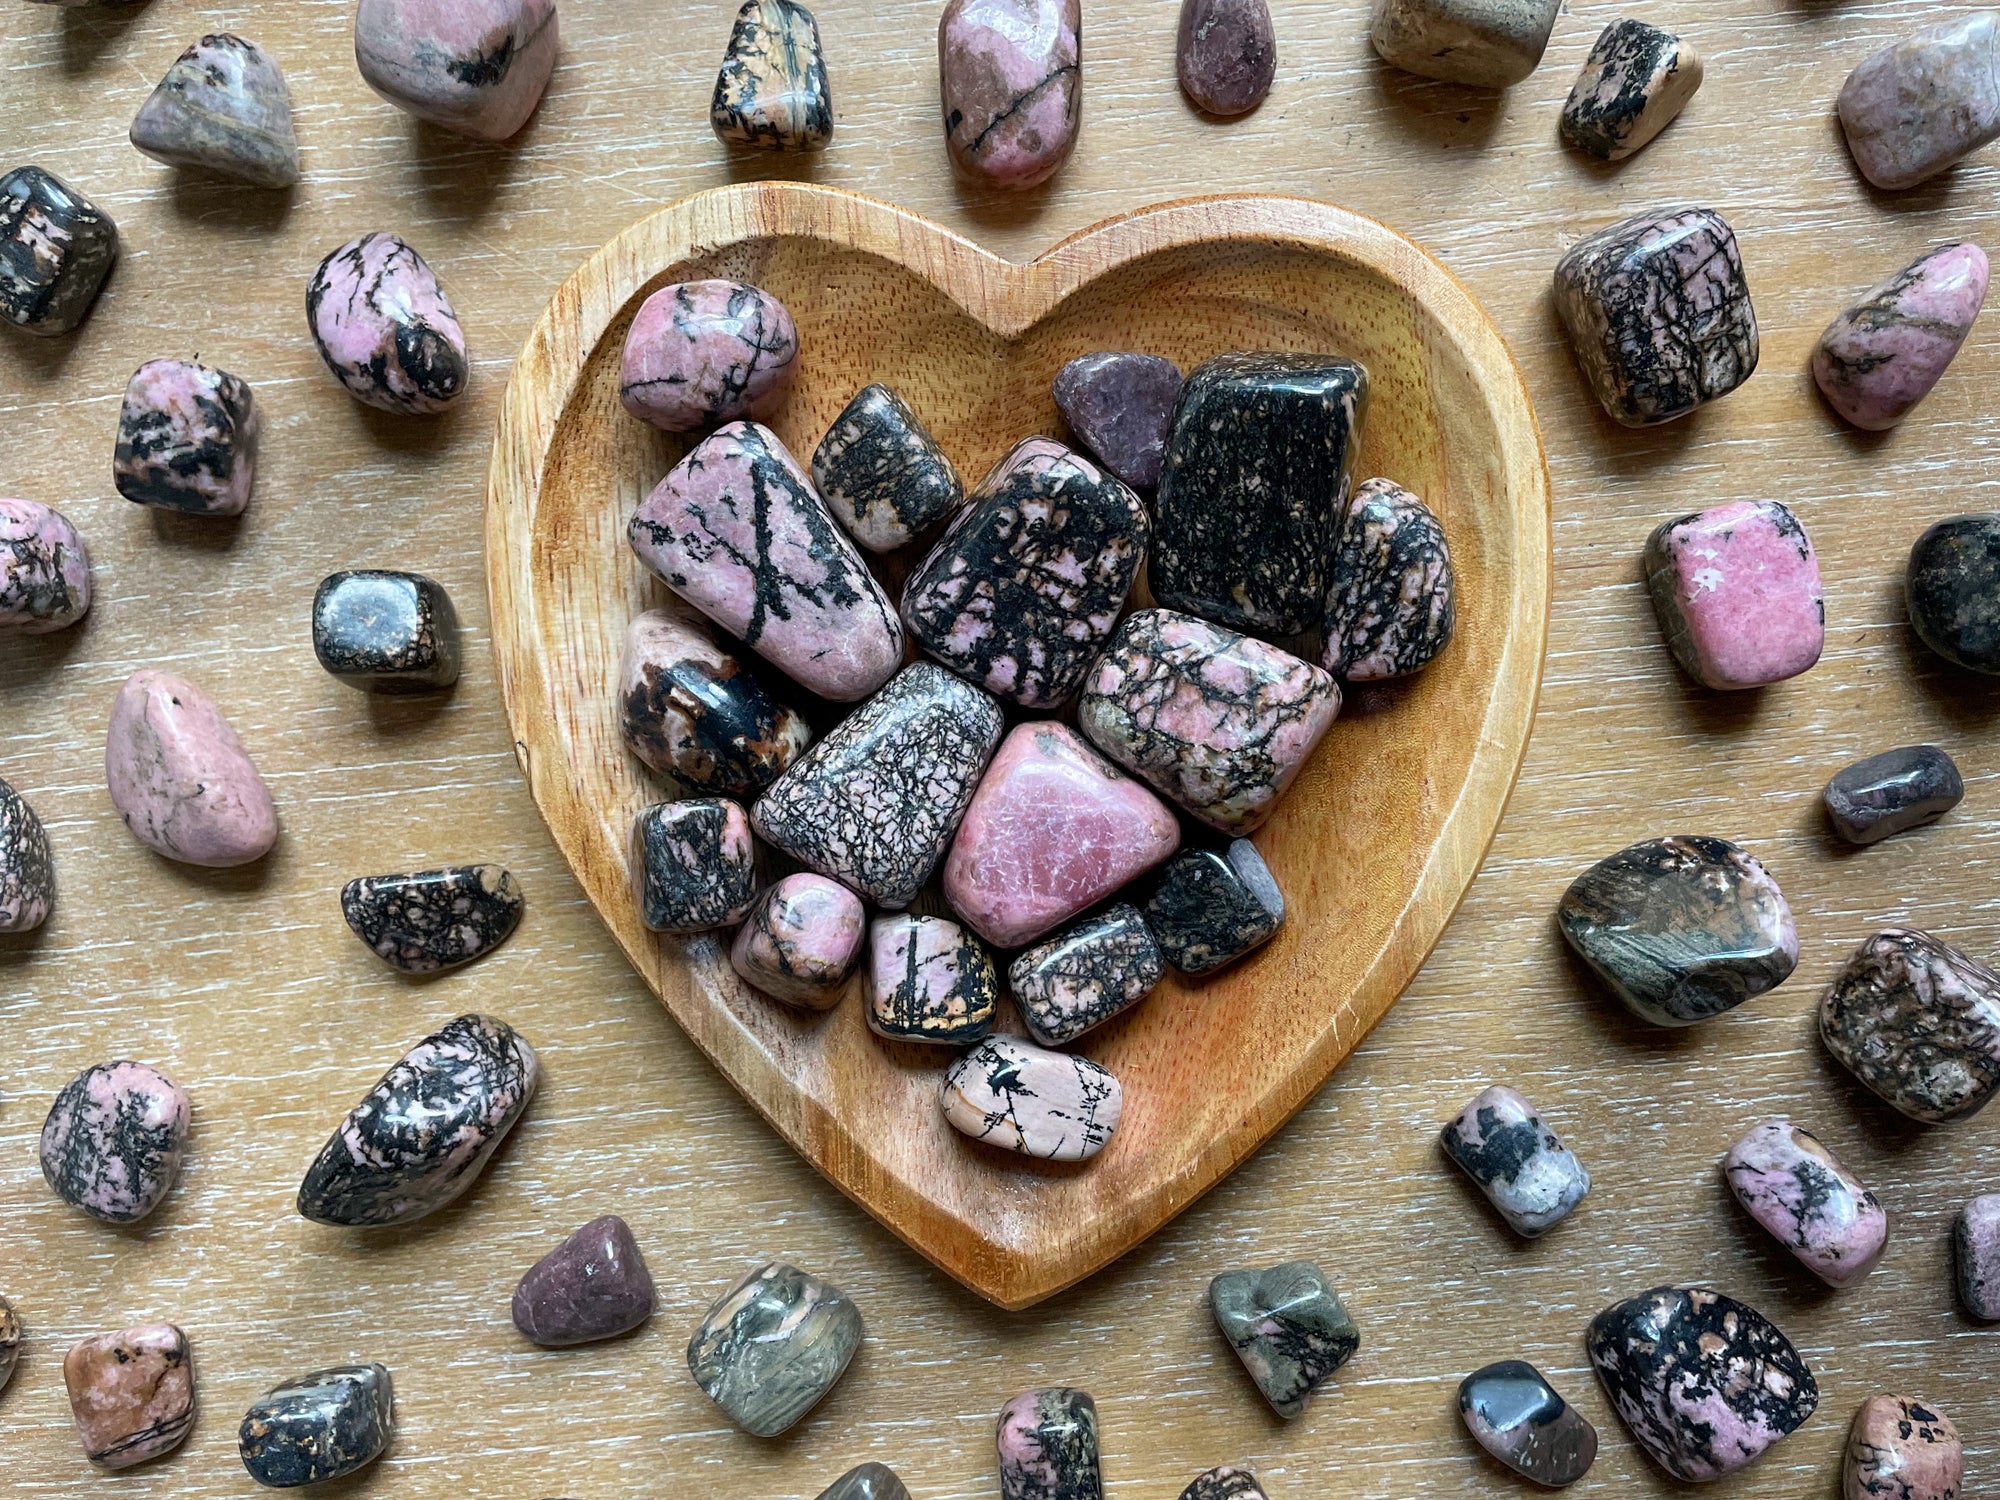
[772, 1346]
[477, 67]
[1118, 405]
[1392, 603]
[800, 942]
[1918, 1022]
[1737, 593]
[386, 632]
[1885, 352]
[1225, 1482]
[1637, 78]
[771, 93]
[692, 711]
[1012, 1094]
[1225, 54]
[929, 980]
[881, 472]
[1046, 1442]
[1951, 590]
[44, 570]
[1975, 1246]
[1892, 792]
[1513, 1412]
[433, 919]
[1924, 103]
[1209, 907]
[869, 1481]
[594, 1285]
[1524, 1169]
[319, 1426]
[132, 1393]
[187, 439]
[113, 1140]
[222, 107]
[181, 779]
[27, 865]
[1793, 1186]
[56, 248]
[694, 864]
[1010, 81]
[1081, 978]
[385, 327]
[1287, 1326]
[10, 1341]
[702, 352]
[1901, 1449]
[1485, 43]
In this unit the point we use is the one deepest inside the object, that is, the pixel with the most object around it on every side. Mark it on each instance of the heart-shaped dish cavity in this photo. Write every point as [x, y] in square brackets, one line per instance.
[1377, 840]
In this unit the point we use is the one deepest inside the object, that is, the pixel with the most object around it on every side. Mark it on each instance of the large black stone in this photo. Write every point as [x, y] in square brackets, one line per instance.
[1952, 589]
[56, 248]
[319, 1426]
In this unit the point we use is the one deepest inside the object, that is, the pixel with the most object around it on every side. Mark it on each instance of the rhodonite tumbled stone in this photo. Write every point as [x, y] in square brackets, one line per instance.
[800, 941]
[594, 1285]
[869, 1481]
[1118, 407]
[1485, 43]
[386, 632]
[44, 570]
[1924, 103]
[27, 868]
[1658, 313]
[187, 439]
[772, 1346]
[10, 1341]
[223, 107]
[1918, 1022]
[56, 248]
[1212, 906]
[1224, 1482]
[1952, 591]
[694, 864]
[1524, 1169]
[1882, 355]
[132, 1393]
[1792, 1185]
[1015, 1095]
[1737, 593]
[112, 1142]
[707, 351]
[319, 1426]
[477, 67]
[1637, 78]
[385, 327]
[771, 92]
[1900, 1449]
[1391, 606]
[1081, 978]
[881, 472]
[1513, 1412]
[1891, 792]
[1287, 1326]
[1681, 928]
[433, 919]
[929, 981]
[1225, 54]
[181, 779]
[1010, 80]
[1046, 1441]
[1975, 1254]
[692, 711]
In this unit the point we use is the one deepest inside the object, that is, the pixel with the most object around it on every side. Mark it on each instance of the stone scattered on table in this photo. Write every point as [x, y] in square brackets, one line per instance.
[1212, 906]
[44, 570]
[800, 942]
[869, 1481]
[1952, 591]
[1882, 355]
[1524, 1169]
[56, 248]
[1924, 103]
[477, 67]
[1081, 978]
[1658, 314]
[1010, 81]
[1900, 1449]
[1513, 1412]
[929, 980]
[737, 530]
[424, 1133]
[385, 327]
[1792, 1185]
[1052, 830]
[771, 93]
[594, 1285]
[1681, 928]
[223, 107]
[1118, 405]
[693, 712]
[875, 803]
[1486, 43]
[1975, 1246]
[113, 1140]
[772, 1346]
[1287, 1326]
[1737, 593]
[434, 919]
[187, 439]
[1637, 78]
[1015, 1095]
[386, 632]
[1047, 1445]
[131, 1392]
[10, 1341]
[694, 864]
[1253, 486]
[1225, 1482]
[1391, 606]
[181, 779]
[881, 472]
[1918, 1022]
[27, 867]
[702, 352]
[1225, 54]
[1892, 792]
[319, 1426]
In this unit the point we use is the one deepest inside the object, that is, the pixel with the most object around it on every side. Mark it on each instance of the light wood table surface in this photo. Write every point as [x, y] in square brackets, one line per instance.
[248, 988]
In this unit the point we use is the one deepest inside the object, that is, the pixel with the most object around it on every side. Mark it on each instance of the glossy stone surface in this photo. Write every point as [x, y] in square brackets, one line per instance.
[180, 778]
[1900, 1449]
[1287, 1326]
[1882, 355]
[800, 941]
[1952, 591]
[385, 327]
[1210, 907]
[187, 439]
[1392, 605]
[44, 570]
[881, 472]
[222, 107]
[1012, 1094]
[1010, 81]
[10, 1341]
[1046, 1441]
[27, 867]
[424, 1133]
[1705, 1383]
[1975, 1247]
[1225, 54]
[477, 67]
[1486, 43]
[1658, 313]
[772, 1346]
[771, 93]
[1220, 723]
[929, 981]
[1253, 488]
[433, 919]
[1681, 928]
[386, 632]
[1225, 1482]
[693, 712]
[707, 351]
[1637, 78]
[1737, 593]
[1892, 792]
[1918, 1022]
[1118, 405]
[875, 803]
[1524, 1169]
[318, 1426]
[694, 864]
[594, 1285]
[1053, 829]
[1081, 978]
[1924, 103]
[869, 1481]
[737, 530]
[113, 1140]
[1513, 1412]
[1792, 1185]
[131, 1392]
[56, 248]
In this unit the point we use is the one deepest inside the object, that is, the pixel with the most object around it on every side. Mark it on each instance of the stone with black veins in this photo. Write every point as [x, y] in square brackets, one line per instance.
[1392, 604]
[771, 93]
[1637, 78]
[430, 920]
[27, 867]
[187, 439]
[881, 472]
[694, 864]
[1047, 1445]
[929, 980]
[1918, 1022]
[1080, 978]
[1286, 1323]
[800, 942]
[56, 249]
[223, 106]
[1210, 907]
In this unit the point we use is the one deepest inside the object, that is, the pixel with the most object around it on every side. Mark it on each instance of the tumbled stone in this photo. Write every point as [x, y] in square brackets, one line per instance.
[44, 570]
[318, 1426]
[385, 327]
[1891, 792]
[1791, 1184]
[1253, 487]
[1637, 78]
[1524, 1169]
[1081, 978]
[10, 1341]
[1225, 1482]
[869, 1481]
[1391, 606]
[1952, 591]
[181, 779]
[1918, 1022]
[386, 632]
[694, 864]
[132, 1393]
[737, 530]
[1210, 907]
[1681, 928]
[594, 1285]
[772, 1346]
[27, 868]
[1658, 314]
[187, 439]
[1881, 356]
[1054, 828]
[929, 981]
[1287, 1326]
[1012, 1094]
[875, 803]
[881, 472]
[1047, 1445]
[113, 1140]
[771, 92]
[1225, 54]
[1010, 80]
[433, 919]
[424, 1133]
[477, 67]
[1975, 1247]
[1737, 593]
[1486, 43]
[693, 712]
[1513, 1412]
[1900, 1449]
[56, 248]
[223, 106]
[707, 351]
[800, 941]
[1118, 405]
[1924, 103]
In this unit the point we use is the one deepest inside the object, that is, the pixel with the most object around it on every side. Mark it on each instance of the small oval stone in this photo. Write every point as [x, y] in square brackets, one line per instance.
[594, 1285]
[1900, 1449]
[1226, 54]
[1952, 591]
[1081, 978]
[772, 1346]
[694, 864]
[477, 67]
[1881, 356]
[1737, 592]
[385, 327]
[881, 472]
[1918, 1022]
[1637, 78]
[1513, 1412]
[433, 919]
[112, 1142]
[10, 1341]
[1212, 906]
[384, 631]
[1010, 79]
[44, 570]
[1524, 1169]
[1046, 1441]
[1287, 1325]
[222, 107]
[1392, 605]
[1225, 1482]
[707, 351]
[800, 941]
[56, 248]
[869, 1481]
[132, 1393]
[318, 1426]
[771, 93]
[1012, 1094]
[181, 779]
[1792, 1185]
[1891, 792]
[187, 439]
[1485, 43]
[1118, 405]
[1921, 104]
[1975, 1246]
[27, 868]
[929, 981]
[692, 711]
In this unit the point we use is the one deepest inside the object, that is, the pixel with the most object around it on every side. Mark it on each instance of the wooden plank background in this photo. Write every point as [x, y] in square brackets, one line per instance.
[248, 988]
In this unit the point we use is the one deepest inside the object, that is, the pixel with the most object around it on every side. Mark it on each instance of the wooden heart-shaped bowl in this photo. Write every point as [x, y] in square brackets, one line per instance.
[1380, 835]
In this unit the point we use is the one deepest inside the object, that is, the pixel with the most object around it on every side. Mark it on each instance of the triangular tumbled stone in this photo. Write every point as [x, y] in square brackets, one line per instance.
[223, 106]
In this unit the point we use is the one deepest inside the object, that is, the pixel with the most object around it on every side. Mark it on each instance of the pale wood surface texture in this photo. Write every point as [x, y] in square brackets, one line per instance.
[249, 989]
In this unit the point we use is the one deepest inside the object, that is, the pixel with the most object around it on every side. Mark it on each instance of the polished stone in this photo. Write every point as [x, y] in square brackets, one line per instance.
[594, 1285]
[772, 1346]
[222, 107]
[703, 352]
[1737, 594]
[1081, 978]
[319, 1426]
[1010, 82]
[187, 439]
[929, 980]
[1224, 1482]
[1524, 1169]
[1225, 54]
[27, 867]
[1900, 1449]
[1892, 792]
[433, 919]
[1975, 1246]
[881, 472]
[1118, 407]
[692, 711]
[1883, 354]
[1287, 1326]
[132, 1393]
[385, 327]
[44, 570]
[694, 864]
[1392, 604]
[1212, 906]
[1485, 43]
[477, 67]
[1952, 591]
[1637, 78]
[10, 1341]
[1921, 104]
[1046, 1441]
[113, 1140]
[56, 248]
[1513, 1412]
[771, 93]
[181, 779]
[1918, 1022]
[800, 942]
[1792, 1185]
[869, 1481]
[1013, 1094]
[386, 632]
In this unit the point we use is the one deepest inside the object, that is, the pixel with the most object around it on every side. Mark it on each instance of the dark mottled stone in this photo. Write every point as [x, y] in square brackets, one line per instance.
[1287, 1326]
[1900, 1449]
[594, 1285]
[112, 1142]
[772, 1346]
[869, 1481]
[694, 864]
[386, 632]
[187, 439]
[27, 868]
[319, 1426]
[929, 980]
[692, 711]
[881, 472]
[771, 93]
[1118, 407]
[1636, 79]
[1918, 1022]
[1513, 1412]
[1681, 928]
[1213, 906]
[1975, 1256]
[1226, 54]
[56, 248]
[10, 1341]
[1253, 488]
[1081, 978]
[433, 919]
[1892, 792]
[1391, 606]
[1525, 1170]
[1704, 1383]
[223, 107]
[1952, 590]
[1047, 1444]
[385, 327]
[1225, 1482]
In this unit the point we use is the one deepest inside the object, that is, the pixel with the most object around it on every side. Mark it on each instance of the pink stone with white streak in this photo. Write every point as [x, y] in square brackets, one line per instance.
[113, 1140]
[1817, 1209]
[478, 67]
[1011, 82]
[181, 779]
[707, 351]
[1881, 357]
[800, 941]
[44, 570]
[1737, 592]
[385, 327]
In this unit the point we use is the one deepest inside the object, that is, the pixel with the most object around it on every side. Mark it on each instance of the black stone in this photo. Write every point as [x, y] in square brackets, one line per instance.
[1918, 1022]
[1048, 1447]
[1081, 978]
[882, 474]
[869, 1481]
[56, 248]
[694, 864]
[386, 632]
[319, 1426]
[1952, 590]
[694, 712]
[1391, 607]
[1224, 1483]
[27, 868]
[1892, 792]
[1213, 906]
[1517, 1416]
[433, 919]
[1118, 407]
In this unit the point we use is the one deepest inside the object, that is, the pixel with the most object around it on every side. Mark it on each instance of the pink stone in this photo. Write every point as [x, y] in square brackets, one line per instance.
[1013, 1094]
[478, 67]
[112, 1142]
[1900, 1449]
[1737, 593]
[179, 777]
[1011, 82]
[1054, 828]
[44, 570]
[1916, 107]
[1817, 1209]
[800, 941]
[1881, 357]
[187, 439]
[385, 327]
[707, 351]
[1226, 54]
[132, 1393]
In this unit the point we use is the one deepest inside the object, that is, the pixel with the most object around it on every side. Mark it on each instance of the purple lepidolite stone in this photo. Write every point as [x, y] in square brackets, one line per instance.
[1391, 606]
[1919, 1023]
[478, 67]
[800, 941]
[1817, 1209]
[692, 711]
[385, 327]
[1081, 978]
[929, 980]
[56, 248]
[1881, 356]
[1975, 1253]
[1524, 1169]
[44, 570]
[113, 1140]
[771, 93]
[881, 472]
[594, 1285]
[1013, 1094]
[1922, 104]
[694, 864]
[181, 779]
[1047, 1443]
[1900, 1449]
[1118, 407]
[27, 869]
[1225, 54]
[223, 107]
[707, 351]
[1010, 79]
[187, 439]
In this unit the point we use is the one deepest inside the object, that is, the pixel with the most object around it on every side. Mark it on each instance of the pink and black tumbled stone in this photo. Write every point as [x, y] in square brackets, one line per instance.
[1513, 1412]
[383, 631]
[1522, 1166]
[56, 248]
[1118, 406]
[1286, 1323]
[694, 864]
[594, 1285]
[690, 710]
[1793, 1186]
[112, 1142]
[222, 107]
[1918, 1022]
[1209, 907]
[800, 942]
[1081, 978]
[385, 328]
[44, 570]
[1901, 1449]
[1392, 605]
[881, 472]
[1012, 1094]
[187, 439]
[1010, 82]
[1047, 1445]
[1883, 354]
[707, 351]
[929, 980]
[771, 93]
[1224, 1482]
[132, 1393]
[477, 67]
[1892, 792]
[1975, 1254]
[27, 867]
[433, 919]
[1737, 593]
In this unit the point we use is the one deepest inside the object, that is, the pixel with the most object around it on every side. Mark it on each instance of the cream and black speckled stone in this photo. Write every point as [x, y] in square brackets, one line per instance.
[1225, 1482]
[319, 1426]
[1637, 78]
[881, 472]
[1918, 1022]
[27, 868]
[1212, 906]
[386, 632]
[772, 93]
[434, 919]
[56, 248]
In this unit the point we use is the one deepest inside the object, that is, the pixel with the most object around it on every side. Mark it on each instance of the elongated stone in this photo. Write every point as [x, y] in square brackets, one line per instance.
[1892, 792]
[694, 864]
[1900, 1449]
[1081, 978]
[1918, 1022]
[1812, 1205]
[223, 106]
[113, 1140]
[1637, 78]
[1010, 79]
[771, 93]
[800, 942]
[1513, 1412]
[187, 439]
[1521, 1165]
[1975, 1246]
[44, 570]
[383, 631]
[693, 712]
[594, 1285]
[1486, 43]
[56, 248]
[319, 1426]
[10, 1341]
[1924, 103]
[1951, 589]
[1225, 1482]
[181, 779]
[1210, 907]
[433, 919]
[1225, 54]
[1118, 405]
[707, 351]
[881, 472]
[1392, 603]
[1287, 1326]
[1012, 1094]
[929, 981]
[772, 1346]
[1047, 1445]
[385, 327]
[1882, 355]
[869, 1481]
[27, 868]
[477, 67]
[132, 1393]
[1737, 593]
[423, 1134]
